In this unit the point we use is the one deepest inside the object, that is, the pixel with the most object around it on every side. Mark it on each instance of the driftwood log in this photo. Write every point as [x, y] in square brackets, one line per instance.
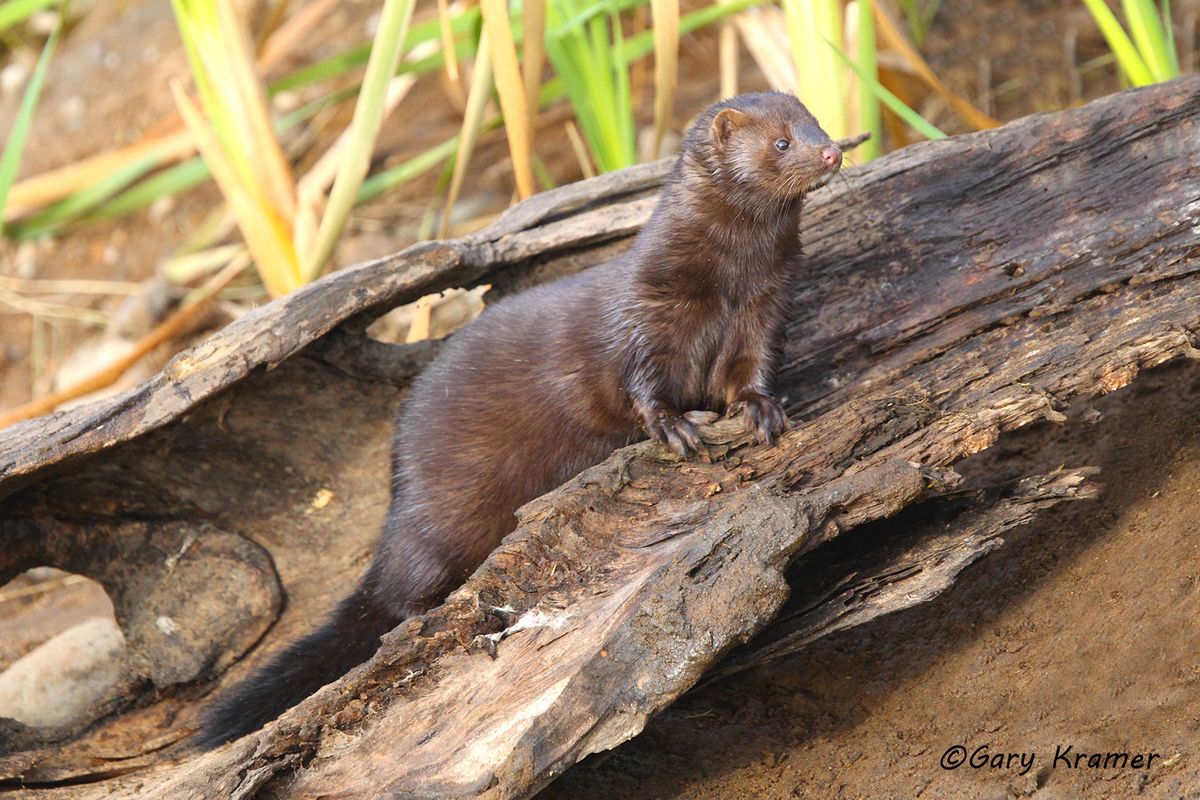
[956, 290]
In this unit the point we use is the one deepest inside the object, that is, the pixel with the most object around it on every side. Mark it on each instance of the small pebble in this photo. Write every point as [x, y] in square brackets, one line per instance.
[371, 26]
[285, 102]
[161, 208]
[26, 260]
[72, 110]
[13, 77]
[140, 312]
[44, 23]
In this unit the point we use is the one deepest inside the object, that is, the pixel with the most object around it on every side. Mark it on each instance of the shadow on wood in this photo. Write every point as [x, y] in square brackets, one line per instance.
[955, 290]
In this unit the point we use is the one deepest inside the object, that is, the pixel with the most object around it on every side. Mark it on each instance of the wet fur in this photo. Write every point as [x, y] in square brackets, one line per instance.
[548, 383]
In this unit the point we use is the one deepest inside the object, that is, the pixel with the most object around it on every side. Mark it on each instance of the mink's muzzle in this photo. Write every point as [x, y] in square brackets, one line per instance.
[828, 162]
[831, 154]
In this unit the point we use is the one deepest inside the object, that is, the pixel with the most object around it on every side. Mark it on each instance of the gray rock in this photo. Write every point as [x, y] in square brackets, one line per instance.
[57, 683]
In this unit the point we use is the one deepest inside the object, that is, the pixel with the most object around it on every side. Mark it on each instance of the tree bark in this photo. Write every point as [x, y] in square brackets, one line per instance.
[955, 290]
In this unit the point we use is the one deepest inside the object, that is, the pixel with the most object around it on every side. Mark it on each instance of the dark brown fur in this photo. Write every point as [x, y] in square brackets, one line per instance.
[549, 382]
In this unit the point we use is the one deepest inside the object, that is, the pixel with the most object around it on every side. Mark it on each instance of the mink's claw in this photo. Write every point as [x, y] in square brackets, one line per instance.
[764, 414]
[677, 433]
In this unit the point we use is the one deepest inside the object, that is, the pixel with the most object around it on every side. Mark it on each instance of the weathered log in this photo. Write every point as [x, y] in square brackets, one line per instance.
[956, 290]
[861, 576]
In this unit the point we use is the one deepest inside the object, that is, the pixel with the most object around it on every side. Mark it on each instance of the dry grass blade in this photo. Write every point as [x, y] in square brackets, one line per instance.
[166, 330]
[510, 86]
[267, 237]
[247, 105]
[446, 33]
[52, 585]
[533, 57]
[580, 149]
[310, 205]
[287, 37]
[892, 36]
[895, 82]
[477, 98]
[187, 267]
[272, 19]
[162, 148]
[727, 57]
[42, 309]
[40, 190]
[68, 286]
[422, 320]
[637, 70]
[763, 32]
[666, 66]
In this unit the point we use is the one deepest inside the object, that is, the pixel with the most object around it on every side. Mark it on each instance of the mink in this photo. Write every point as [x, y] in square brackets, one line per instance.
[549, 382]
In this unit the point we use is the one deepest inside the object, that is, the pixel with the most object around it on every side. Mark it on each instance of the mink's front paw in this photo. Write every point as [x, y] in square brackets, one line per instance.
[675, 432]
[764, 415]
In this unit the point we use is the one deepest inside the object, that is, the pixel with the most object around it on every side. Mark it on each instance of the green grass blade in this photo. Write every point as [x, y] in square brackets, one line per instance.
[306, 111]
[331, 67]
[341, 63]
[626, 128]
[567, 49]
[543, 174]
[189, 174]
[596, 56]
[405, 171]
[386, 52]
[79, 203]
[869, 114]
[173, 180]
[10, 161]
[819, 74]
[589, 60]
[416, 166]
[1119, 42]
[602, 8]
[194, 172]
[919, 17]
[1149, 37]
[912, 15]
[14, 12]
[176, 179]
[912, 118]
[642, 44]
[1169, 26]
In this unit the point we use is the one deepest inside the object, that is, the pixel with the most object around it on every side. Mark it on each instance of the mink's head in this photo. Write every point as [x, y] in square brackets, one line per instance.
[766, 143]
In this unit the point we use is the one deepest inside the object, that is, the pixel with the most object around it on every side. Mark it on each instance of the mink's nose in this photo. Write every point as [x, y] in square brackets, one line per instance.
[832, 155]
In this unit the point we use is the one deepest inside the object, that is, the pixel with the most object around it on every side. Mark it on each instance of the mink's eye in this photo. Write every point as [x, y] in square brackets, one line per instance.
[782, 144]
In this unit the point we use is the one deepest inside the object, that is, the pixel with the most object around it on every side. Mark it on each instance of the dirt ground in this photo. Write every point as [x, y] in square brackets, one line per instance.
[1082, 632]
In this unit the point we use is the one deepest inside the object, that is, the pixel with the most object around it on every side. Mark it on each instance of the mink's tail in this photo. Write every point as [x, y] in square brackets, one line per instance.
[349, 637]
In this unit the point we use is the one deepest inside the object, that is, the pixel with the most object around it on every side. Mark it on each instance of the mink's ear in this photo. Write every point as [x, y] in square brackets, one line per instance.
[725, 123]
